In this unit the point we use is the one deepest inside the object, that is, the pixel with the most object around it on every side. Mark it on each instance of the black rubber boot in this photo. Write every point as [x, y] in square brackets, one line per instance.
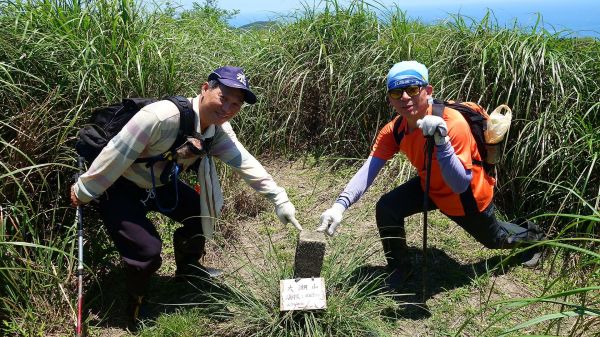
[136, 284]
[398, 276]
[395, 250]
[394, 247]
[534, 256]
[188, 252]
[534, 234]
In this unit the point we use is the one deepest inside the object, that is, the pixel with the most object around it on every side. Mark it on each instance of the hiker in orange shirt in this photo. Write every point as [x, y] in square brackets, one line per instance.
[459, 186]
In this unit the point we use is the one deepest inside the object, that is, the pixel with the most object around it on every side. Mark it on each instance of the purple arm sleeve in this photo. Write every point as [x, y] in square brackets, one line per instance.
[453, 171]
[361, 181]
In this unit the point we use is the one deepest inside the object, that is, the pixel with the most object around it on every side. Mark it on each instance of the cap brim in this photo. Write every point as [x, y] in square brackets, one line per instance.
[249, 96]
[405, 82]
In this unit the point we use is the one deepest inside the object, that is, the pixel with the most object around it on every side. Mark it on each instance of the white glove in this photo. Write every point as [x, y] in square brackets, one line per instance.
[331, 218]
[434, 126]
[286, 213]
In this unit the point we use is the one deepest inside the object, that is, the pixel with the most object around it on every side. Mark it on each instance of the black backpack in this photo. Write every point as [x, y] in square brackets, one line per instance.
[107, 121]
[476, 117]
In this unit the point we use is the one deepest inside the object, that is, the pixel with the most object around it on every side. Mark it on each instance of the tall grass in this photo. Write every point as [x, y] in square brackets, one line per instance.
[320, 81]
[356, 304]
[314, 80]
[569, 301]
[58, 60]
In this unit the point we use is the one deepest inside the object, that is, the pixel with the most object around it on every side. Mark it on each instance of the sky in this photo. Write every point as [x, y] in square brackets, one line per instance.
[578, 15]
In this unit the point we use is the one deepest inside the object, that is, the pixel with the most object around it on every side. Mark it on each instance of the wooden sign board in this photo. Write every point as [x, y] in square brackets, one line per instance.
[302, 294]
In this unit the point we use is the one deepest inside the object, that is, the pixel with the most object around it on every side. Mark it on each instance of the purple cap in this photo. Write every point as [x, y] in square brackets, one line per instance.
[234, 77]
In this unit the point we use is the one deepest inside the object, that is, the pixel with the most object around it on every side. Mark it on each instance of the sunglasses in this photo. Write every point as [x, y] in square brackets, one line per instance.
[411, 91]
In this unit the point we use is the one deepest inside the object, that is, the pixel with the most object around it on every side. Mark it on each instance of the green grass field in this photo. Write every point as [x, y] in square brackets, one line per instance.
[319, 78]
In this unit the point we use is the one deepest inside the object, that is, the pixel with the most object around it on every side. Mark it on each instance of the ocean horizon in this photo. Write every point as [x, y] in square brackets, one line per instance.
[579, 17]
[574, 26]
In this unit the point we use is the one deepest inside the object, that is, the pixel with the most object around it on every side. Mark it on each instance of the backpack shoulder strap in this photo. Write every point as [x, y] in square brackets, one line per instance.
[187, 118]
[136, 103]
[438, 108]
[186, 128]
[186, 115]
[398, 134]
[477, 125]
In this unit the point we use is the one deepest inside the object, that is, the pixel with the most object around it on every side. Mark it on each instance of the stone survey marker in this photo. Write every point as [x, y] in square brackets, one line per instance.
[307, 290]
[309, 254]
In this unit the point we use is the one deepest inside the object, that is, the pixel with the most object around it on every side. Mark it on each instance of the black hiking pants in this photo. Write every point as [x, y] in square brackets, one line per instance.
[407, 199]
[124, 207]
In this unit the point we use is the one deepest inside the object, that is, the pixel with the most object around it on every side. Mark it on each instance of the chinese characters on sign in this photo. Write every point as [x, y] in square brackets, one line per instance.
[302, 294]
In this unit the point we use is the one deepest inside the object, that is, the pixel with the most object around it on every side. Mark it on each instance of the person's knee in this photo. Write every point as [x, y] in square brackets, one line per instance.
[150, 249]
[150, 264]
[155, 264]
[149, 255]
[138, 246]
[384, 207]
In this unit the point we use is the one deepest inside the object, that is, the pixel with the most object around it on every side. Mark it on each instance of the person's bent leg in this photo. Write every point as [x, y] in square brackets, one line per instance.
[134, 236]
[496, 234]
[391, 209]
[188, 240]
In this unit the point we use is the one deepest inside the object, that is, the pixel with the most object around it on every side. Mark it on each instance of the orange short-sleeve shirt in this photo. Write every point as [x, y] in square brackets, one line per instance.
[412, 144]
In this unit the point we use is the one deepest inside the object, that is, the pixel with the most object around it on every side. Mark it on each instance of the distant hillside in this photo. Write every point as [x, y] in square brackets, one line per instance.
[259, 25]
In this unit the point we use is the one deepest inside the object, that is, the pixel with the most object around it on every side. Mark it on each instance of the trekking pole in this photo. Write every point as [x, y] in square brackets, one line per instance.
[79, 220]
[429, 149]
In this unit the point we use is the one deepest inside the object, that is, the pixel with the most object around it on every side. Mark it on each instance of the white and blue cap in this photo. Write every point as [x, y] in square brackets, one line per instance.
[407, 73]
